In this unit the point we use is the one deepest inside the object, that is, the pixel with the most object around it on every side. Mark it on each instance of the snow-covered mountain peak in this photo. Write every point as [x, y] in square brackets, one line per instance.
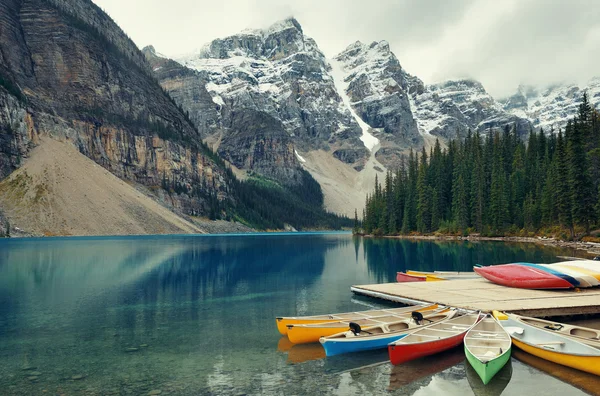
[552, 106]
[375, 54]
[288, 23]
[283, 38]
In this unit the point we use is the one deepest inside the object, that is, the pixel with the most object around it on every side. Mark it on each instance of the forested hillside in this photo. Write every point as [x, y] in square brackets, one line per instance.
[496, 185]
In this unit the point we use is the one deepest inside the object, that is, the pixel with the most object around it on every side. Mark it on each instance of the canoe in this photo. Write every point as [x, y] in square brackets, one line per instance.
[429, 277]
[432, 339]
[446, 274]
[591, 277]
[403, 277]
[521, 276]
[487, 348]
[592, 265]
[282, 322]
[376, 337]
[554, 271]
[587, 267]
[552, 346]
[420, 276]
[585, 335]
[306, 333]
[496, 386]
[585, 280]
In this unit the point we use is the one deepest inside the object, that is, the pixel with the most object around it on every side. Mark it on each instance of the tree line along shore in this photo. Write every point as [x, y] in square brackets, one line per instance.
[496, 185]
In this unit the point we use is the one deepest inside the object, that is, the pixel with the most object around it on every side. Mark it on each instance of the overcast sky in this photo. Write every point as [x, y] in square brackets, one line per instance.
[500, 43]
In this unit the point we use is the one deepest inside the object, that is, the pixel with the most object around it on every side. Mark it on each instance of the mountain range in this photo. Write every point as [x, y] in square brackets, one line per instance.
[358, 112]
[263, 103]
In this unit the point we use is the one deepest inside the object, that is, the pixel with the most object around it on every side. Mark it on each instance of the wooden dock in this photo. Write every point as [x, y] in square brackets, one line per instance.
[479, 294]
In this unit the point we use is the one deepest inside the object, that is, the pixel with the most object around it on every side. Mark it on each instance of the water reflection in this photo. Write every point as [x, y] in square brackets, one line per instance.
[195, 315]
[386, 256]
[586, 381]
[495, 387]
[305, 352]
[409, 372]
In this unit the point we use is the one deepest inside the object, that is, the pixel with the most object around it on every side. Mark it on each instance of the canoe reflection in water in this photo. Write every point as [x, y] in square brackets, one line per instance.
[497, 384]
[355, 361]
[284, 344]
[304, 352]
[580, 379]
[299, 353]
[406, 373]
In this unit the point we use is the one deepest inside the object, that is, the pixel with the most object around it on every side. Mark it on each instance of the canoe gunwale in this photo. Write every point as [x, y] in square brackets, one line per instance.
[455, 332]
[564, 326]
[341, 337]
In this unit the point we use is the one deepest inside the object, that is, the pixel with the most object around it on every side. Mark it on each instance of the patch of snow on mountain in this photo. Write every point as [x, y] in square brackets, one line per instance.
[300, 158]
[338, 75]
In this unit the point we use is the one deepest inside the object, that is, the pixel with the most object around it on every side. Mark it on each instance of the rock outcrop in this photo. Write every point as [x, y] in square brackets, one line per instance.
[67, 70]
[278, 71]
[378, 90]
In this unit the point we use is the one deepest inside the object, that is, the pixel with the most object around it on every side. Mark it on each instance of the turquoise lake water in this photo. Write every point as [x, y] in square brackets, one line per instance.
[190, 315]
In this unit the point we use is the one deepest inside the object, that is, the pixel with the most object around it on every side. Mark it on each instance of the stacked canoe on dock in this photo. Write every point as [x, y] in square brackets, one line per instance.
[435, 276]
[563, 275]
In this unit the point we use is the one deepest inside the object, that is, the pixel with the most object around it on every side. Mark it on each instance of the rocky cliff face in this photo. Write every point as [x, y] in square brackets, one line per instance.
[404, 112]
[66, 70]
[247, 137]
[450, 108]
[378, 90]
[278, 71]
[553, 106]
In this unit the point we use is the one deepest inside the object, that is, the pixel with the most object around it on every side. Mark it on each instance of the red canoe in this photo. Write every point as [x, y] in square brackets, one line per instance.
[521, 276]
[402, 277]
[432, 339]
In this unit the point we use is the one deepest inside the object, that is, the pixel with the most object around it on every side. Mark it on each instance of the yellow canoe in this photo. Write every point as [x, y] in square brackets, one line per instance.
[589, 364]
[307, 333]
[551, 346]
[428, 277]
[283, 322]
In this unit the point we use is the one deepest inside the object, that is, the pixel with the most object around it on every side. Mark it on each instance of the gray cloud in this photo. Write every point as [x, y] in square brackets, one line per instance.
[501, 43]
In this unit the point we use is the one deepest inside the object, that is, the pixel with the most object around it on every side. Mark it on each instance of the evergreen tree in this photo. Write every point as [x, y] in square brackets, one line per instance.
[582, 202]
[356, 228]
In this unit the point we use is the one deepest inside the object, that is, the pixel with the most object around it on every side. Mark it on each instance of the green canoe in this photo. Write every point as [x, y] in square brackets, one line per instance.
[487, 347]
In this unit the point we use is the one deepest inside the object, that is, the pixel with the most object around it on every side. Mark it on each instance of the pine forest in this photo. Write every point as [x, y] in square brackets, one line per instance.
[495, 185]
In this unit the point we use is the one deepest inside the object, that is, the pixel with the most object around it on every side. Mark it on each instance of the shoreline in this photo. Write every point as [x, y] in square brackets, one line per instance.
[591, 249]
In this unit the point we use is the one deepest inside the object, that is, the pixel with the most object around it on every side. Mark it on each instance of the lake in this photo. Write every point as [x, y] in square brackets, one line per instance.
[190, 315]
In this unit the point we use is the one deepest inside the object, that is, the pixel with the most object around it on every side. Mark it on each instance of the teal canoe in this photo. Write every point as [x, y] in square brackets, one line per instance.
[487, 348]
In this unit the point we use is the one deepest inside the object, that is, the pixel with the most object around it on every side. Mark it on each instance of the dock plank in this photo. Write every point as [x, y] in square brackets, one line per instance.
[479, 294]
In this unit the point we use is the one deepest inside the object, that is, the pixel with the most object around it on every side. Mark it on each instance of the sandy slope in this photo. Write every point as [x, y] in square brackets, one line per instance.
[344, 188]
[59, 191]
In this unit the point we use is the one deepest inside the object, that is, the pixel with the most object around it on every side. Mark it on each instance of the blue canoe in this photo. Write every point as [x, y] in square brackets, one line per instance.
[377, 337]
